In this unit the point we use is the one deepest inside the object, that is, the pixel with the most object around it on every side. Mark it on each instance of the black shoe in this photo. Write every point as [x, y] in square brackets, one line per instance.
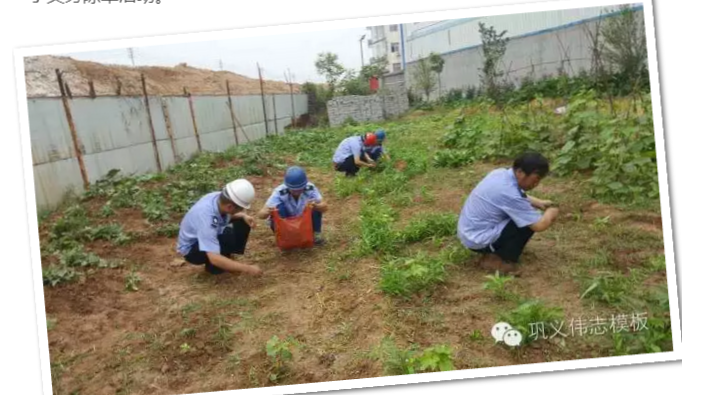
[319, 240]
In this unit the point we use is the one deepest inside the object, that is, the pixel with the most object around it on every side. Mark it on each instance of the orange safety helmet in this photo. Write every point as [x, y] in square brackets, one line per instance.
[370, 139]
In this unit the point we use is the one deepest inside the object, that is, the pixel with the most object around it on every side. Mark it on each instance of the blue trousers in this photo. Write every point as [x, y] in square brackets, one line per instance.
[316, 218]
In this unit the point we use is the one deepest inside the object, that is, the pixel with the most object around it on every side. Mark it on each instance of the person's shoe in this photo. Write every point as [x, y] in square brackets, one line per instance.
[318, 239]
[494, 263]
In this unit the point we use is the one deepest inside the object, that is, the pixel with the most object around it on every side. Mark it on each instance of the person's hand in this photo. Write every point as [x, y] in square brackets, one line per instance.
[255, 270]
[553, 211]
[250, 221]
[372, 164]
[546, 204]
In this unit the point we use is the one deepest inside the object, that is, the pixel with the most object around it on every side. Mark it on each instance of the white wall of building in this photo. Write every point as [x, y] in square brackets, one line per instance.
[454, 35]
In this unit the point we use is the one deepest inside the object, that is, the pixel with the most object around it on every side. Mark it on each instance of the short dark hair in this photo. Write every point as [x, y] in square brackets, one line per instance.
[532, 162]
[223, 199]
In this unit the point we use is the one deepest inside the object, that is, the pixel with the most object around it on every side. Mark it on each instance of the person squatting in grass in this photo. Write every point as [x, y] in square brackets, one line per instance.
[291, 198]
[499, 218]
[351, 155]
[216, 227]
[377, 151]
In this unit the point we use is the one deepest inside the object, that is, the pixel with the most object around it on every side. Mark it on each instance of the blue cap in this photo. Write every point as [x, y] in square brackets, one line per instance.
[380, 135]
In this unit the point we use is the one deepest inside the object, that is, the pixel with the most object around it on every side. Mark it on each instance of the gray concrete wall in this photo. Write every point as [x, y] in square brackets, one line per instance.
[386, 104]
[115, 133]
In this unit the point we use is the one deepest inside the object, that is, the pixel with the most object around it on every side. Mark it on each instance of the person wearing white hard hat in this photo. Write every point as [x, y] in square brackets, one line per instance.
[217, 227]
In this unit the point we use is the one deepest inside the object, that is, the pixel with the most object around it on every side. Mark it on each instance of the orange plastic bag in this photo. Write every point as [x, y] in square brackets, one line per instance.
[294, 232]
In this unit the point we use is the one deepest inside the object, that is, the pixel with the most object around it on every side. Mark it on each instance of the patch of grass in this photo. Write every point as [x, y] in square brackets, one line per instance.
[188, 333]
[54, 275]
[190, 308]
[497, 284]
[377, 233]
[528, 313]
[452, 158]
[51, 323]
[168, 230]
[407, 276]
[651, 328]
[224, 334]
[611, 288]
[112, 232]
[397, 361]
[657, 264]
[428, 226]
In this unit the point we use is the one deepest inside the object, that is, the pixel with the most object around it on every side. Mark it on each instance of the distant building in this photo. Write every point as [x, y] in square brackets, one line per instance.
[541, 43]
[386, 41]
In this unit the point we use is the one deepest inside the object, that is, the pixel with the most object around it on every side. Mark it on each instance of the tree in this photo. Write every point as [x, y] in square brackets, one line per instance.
[493, 48]
[376, 68]
[436, 64]
[327, 65]
[353, 84]
[424, 76]
[625, 46]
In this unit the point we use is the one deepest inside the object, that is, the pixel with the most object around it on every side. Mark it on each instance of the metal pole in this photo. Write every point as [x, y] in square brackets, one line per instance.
[168, 126]
[194, 119]
[72, 129]
[265, 113]
[292, 99]
[231, 110]
[152, 128]
[275, 116]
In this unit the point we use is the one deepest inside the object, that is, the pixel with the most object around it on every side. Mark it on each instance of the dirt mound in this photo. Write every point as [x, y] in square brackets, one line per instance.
[109, 80]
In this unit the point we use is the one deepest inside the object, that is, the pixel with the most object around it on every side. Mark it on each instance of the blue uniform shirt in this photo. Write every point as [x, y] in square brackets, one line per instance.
[495, 201]
[202, 224]
[281, 196]
[349, 146]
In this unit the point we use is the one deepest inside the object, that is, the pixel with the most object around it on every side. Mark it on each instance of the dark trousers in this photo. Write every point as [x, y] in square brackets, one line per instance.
[232, 241]
[348, 167]
[316, 219]
[511, 243]
[375, 153]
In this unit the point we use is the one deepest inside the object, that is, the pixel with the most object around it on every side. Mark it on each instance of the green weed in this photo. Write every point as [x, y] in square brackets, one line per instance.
[428, 226]
[528, 313]
[498, 285]
[407, 276]
[280, 354]
[398, 361]
[132, 281]
[54, 275]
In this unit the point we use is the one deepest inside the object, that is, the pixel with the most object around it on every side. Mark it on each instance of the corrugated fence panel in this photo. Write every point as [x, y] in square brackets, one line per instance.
[134, 160]
[115, 133]
[248, 109]
[214, 122]
[180, 117]
[53, 180]
[186, 147]
[109, 123]
[49, 131]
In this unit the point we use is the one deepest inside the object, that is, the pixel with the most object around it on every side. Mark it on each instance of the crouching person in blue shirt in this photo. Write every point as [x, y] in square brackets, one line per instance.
[351, 155]
[217, 227]
[498, 218]
[377, 151]
[291, 197]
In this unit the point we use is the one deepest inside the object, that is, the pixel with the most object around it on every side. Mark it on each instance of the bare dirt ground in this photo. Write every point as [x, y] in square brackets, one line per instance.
[41, 79]
[105, 340]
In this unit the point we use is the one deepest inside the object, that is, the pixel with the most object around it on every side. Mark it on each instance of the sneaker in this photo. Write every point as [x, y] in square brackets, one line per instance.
[318, 239]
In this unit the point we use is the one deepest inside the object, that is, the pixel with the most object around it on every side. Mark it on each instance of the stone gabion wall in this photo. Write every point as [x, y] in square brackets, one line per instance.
[367, 108]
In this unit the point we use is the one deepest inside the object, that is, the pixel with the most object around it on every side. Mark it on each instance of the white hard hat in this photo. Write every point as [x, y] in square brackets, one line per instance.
[241, 192]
